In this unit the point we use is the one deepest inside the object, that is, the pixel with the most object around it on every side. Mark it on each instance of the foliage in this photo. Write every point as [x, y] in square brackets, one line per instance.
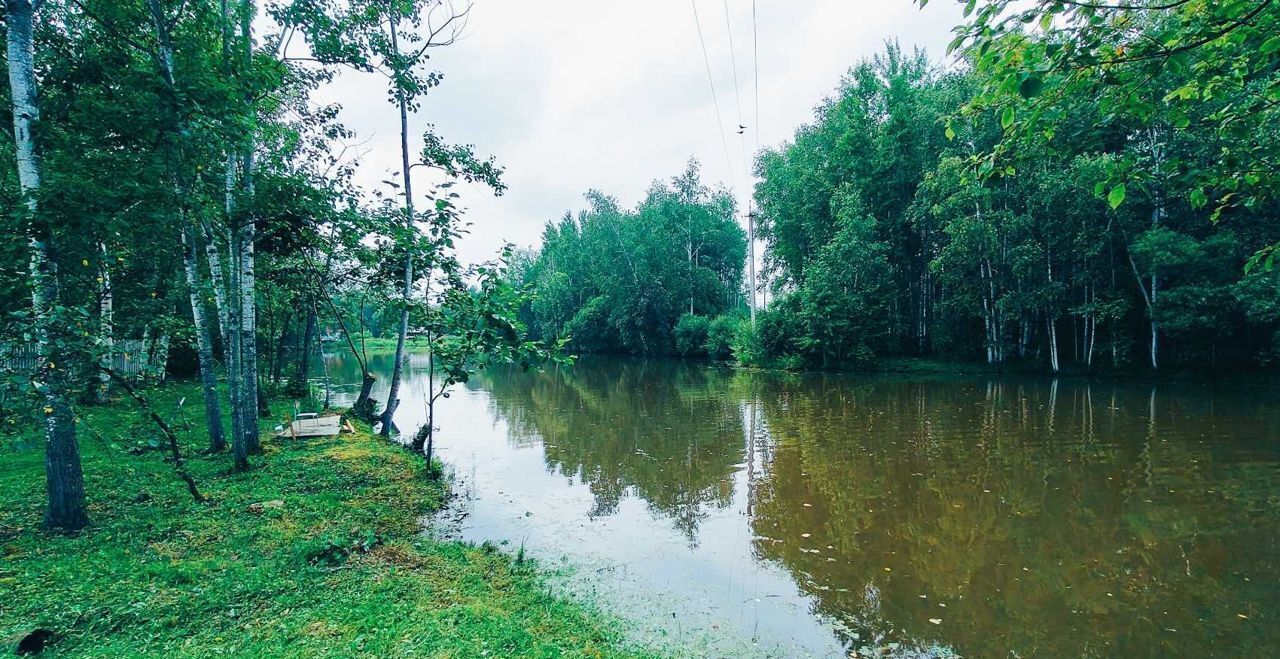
[722, 333]
[955, 215]
[616, 280]
[1204, 72]
[467, 328]
[691, 335]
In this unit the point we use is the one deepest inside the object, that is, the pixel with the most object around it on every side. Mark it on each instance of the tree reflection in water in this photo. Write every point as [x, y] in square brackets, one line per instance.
[660, 430]
[989, 516]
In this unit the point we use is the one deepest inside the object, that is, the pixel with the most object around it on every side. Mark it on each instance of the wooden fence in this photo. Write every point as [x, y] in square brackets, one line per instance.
[129, 357]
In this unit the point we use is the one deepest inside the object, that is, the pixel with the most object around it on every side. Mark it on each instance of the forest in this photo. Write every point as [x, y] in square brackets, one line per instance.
[180, 203]
[180, 194]
[1082, 198]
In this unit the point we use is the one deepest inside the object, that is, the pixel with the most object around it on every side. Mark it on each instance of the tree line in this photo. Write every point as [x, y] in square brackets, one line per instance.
[177, 182]
[611, 279]
[1081, 186]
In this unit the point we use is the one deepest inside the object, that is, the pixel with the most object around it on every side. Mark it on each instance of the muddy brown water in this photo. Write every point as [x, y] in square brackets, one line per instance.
[732, 513]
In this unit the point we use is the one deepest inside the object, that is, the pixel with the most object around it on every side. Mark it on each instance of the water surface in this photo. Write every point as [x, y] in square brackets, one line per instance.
[732, 513]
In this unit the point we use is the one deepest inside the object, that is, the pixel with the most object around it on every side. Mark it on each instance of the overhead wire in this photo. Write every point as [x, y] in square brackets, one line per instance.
[737, 95]
[715, 99]
[755, 65]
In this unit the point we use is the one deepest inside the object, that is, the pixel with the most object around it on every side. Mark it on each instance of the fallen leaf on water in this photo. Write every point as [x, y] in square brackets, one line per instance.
[1242, 616]
[936, 621]
[805, 535]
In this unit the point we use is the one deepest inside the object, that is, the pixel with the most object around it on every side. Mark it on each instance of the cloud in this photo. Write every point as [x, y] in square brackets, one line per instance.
[611, 94]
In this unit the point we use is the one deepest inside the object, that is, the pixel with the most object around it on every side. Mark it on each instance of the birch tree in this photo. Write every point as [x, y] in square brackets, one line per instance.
[64, 481]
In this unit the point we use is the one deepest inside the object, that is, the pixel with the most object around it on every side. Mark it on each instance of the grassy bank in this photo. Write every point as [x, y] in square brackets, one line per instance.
[314, 552]
[375, 343]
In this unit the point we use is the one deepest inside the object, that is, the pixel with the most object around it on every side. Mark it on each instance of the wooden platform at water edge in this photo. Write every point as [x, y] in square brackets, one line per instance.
[313, 425]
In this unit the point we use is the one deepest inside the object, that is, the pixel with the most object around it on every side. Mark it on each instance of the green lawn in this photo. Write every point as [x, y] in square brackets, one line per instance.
[332, 565]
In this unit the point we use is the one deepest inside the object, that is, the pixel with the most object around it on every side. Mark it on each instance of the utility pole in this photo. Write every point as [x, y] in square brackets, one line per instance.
[751, 259]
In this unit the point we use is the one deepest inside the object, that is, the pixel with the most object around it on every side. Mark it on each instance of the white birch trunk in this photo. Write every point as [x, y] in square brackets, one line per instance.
[106, 329]
[204, 343]
[64, 480]
[393, 394]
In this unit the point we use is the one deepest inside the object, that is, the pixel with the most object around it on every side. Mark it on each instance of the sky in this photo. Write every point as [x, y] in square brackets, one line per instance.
[573, 95]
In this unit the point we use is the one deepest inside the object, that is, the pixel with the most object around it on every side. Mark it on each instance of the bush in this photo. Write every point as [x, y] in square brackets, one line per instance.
[748, 349]
[691, 335]
[589, 329]
[777, 329]
[721, 335]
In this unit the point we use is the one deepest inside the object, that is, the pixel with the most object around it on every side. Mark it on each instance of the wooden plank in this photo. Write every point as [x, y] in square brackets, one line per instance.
[323, 426]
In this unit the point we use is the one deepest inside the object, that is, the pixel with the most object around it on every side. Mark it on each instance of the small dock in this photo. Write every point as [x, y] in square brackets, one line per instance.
[313, 425]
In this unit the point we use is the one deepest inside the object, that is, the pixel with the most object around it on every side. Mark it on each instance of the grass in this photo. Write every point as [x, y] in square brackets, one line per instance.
[377, 343]
[315, 552]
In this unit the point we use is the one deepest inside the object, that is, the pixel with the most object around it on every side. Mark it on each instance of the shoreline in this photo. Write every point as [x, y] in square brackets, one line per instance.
[928, 367]
[317, 550]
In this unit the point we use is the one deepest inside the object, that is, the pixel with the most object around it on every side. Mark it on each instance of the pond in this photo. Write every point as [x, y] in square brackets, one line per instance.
[726, 512]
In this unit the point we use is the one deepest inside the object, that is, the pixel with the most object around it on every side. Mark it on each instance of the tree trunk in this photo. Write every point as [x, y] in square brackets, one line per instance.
[431, 437]
[235, 381]
[1052, 325]
[218, 282]
[324, 366]
[276, 367]
[1090, 324]
[1024, 337]
[1157, 216]
[363, 406]
[204, 344]
[1155, 329]
[251, 402]
[106, 328]
[393, 395]
[248, 339]
[303, 372]
[64, 480]
[1149, 298]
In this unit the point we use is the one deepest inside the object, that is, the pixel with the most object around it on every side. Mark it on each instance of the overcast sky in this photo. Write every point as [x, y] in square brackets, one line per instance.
[570, 95]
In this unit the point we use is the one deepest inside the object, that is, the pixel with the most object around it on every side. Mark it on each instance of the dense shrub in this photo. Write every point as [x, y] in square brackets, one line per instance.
[722, 334]
[691, 335]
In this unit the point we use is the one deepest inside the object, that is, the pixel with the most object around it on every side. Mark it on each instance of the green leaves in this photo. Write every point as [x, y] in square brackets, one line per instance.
[616, 279]
[1010, 84]
[1006, 117]
[1116, 196]
[1270, 46]
[1031, 86]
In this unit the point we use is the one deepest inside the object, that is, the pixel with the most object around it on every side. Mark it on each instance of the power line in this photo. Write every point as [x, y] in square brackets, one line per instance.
[715, 99]
[737, 96]
[755, 64]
